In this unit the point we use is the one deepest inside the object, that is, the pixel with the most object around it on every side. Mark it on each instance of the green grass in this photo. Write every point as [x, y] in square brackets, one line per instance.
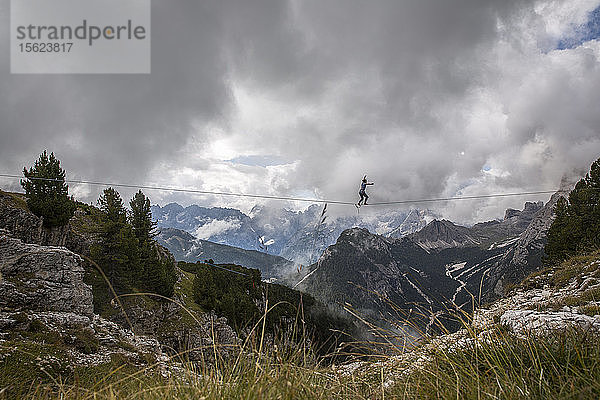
[560, 275]
[44, 371]
[584, 298]
[536, 280]
[591, 310]
[185, 290]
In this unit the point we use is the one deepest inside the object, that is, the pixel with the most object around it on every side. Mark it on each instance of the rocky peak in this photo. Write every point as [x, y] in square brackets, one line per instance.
[442, 234]
[532, 208]
[511, 213]
[414, 222]
[362, 239]
[353, 234]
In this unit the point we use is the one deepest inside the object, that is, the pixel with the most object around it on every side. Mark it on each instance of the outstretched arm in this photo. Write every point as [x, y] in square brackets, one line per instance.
[371, 183]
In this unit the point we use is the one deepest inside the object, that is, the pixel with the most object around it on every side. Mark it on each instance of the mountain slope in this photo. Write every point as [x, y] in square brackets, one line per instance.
[525, 255]
[186, 247]
[370, 272]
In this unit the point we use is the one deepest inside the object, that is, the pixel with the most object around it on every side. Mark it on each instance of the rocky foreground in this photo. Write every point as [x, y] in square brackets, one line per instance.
[45, 301]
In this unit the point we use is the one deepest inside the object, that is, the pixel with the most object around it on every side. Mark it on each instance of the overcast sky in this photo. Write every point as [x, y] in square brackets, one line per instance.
[304, 97]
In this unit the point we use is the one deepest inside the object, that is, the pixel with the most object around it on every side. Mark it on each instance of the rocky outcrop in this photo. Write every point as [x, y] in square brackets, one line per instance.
[18, 220]
[525, 321]
[41, 278]
[37, 276]
[519, 220]
[444, 234]
[540, 306]
[24, 225]
[83, 342]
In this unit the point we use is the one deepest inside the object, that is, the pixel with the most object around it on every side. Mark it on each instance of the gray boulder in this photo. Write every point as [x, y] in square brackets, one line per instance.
[41, 278]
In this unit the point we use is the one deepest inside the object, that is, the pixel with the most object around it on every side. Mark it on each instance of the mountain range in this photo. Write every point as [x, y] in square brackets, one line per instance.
[298, 236]
[441, 267]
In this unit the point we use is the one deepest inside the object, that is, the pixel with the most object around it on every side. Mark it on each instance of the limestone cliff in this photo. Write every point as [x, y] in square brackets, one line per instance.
[41, 278]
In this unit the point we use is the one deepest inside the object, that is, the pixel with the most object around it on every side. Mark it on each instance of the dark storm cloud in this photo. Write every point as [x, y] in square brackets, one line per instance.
[421, 95]
[118, 126]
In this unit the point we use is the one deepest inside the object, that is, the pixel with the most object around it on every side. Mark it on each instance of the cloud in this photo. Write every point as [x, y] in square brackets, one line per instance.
[429, 98]
[115, 127]
[216, 227]
[256, 160]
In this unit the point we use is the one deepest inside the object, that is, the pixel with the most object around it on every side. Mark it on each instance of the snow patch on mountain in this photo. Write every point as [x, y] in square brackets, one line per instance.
[411, 283]
[505, 243]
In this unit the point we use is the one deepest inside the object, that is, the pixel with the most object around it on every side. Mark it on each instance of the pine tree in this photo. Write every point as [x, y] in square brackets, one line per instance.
[111, 204]
[158, 275]
[118, 252]
[159, 272]
[47, 192]
[141, 217]
[205, 290]
[576, 228]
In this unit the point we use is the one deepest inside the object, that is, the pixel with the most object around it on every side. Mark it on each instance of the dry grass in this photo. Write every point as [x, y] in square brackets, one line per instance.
[500, 366]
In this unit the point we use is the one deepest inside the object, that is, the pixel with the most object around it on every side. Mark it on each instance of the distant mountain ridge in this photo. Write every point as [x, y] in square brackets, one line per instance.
[441, 234]
[294, 235]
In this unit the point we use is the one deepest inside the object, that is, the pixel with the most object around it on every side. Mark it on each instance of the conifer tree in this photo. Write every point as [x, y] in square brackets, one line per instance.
[576, 228]
[158, 274]
[141, 217]
[47, 192]
[118, 253]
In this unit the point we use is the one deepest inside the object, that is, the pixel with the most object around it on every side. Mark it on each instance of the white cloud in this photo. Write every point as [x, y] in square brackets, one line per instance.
[560, 17]
[216, 227]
